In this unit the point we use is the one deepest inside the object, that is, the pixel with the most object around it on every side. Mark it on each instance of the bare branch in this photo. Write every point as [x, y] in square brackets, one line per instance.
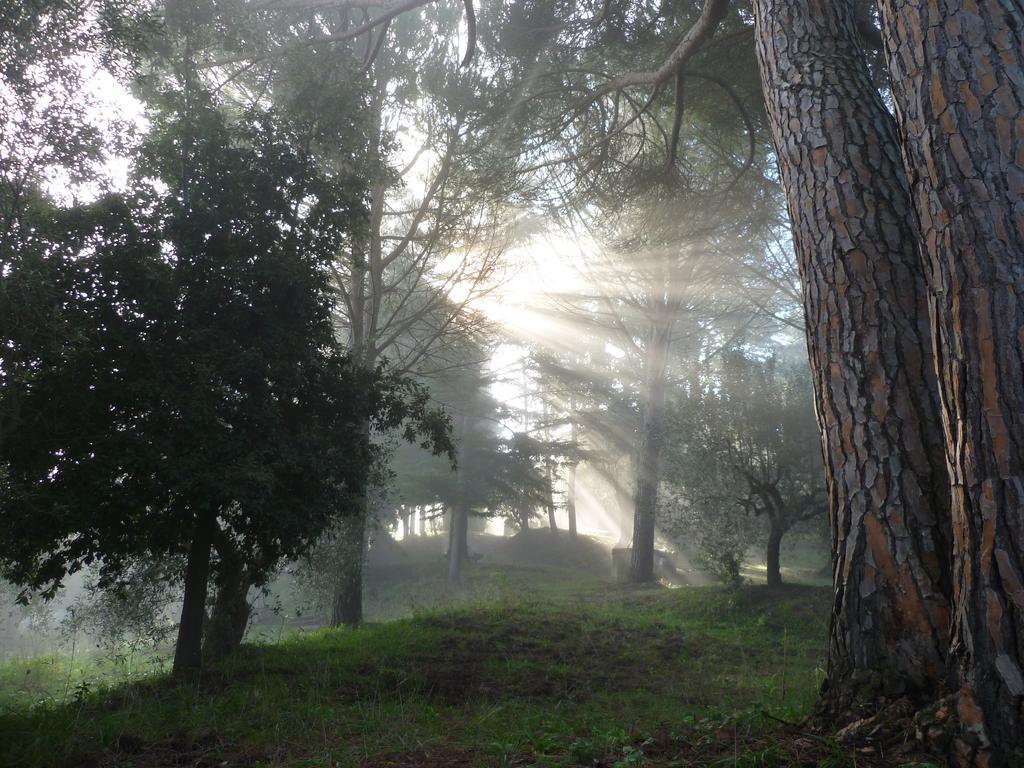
[677, 121]
[702, 31]
[373, 51]
[387, 13]
[471, 31]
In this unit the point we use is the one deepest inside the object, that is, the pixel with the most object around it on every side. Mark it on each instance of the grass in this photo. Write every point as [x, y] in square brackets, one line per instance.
[528, 665]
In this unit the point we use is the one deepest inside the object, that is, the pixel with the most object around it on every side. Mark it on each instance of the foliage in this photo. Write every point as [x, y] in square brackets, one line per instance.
[51, 123]
[743, 441]
[131, 617]
[178, 359]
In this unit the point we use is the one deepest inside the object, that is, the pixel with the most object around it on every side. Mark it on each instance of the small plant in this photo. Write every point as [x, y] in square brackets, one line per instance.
[633, 756]
[504, 749]
[82, 690]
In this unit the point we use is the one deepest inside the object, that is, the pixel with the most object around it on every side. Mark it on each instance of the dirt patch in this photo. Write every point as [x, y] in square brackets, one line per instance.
[560, 657]
[435, 757]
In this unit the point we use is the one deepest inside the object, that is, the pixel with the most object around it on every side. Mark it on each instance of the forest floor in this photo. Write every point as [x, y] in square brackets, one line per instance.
[529, 665]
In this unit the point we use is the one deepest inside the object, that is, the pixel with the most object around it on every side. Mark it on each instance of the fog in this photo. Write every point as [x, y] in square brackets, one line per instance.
[536, 382]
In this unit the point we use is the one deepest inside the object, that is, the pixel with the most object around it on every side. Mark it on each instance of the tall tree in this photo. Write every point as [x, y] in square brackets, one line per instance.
[653, 286]
[869, 341]
[957, 73]
[434, 234]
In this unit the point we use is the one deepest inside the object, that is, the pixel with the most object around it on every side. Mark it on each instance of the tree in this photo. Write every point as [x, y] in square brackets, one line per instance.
[432, 233]
[435, 230]
[194, 400]
[866, 308]
[746, 437]
[653, 285]
[956, 80]
[583, 43]
[499, 471]
[52, 126]
[469, 488]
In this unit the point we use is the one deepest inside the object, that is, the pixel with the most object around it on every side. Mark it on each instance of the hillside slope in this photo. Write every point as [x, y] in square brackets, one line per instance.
[574, 676]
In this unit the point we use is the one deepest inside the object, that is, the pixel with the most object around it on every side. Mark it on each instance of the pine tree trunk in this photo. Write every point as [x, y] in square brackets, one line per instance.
[641, 565]
[957, 73]
[570, 476]
[458, 543]
[570, 499]
[552, 522]
[774, 569]
[869, 343]
[347, 608]
[188, 650]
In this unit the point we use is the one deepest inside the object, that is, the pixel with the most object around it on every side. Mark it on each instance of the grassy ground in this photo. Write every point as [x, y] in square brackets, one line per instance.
[531, 665]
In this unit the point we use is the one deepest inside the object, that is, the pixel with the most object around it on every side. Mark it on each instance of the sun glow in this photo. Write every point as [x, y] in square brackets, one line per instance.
[540, 274]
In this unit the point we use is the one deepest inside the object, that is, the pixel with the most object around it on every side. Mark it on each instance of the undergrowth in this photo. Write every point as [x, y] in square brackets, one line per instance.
[578, 674]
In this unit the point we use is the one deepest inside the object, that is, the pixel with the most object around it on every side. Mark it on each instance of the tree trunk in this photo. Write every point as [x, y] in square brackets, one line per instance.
[774, 570]
[226, 625]
[869, 343]
[570, 477]
[570, 498]
[523, 514]
[230, 615]
[458, 543]
[188, 650]
[641, 565]
[347, 609]
[351, 542]
[552, 523]
[957, 82]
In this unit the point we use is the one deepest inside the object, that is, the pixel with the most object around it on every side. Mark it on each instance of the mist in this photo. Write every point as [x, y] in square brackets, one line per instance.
[511, 383]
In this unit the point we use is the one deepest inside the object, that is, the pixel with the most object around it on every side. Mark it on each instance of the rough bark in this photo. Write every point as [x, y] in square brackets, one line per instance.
[869, 343]
[188, 650]
[957, 71]
[652, 412]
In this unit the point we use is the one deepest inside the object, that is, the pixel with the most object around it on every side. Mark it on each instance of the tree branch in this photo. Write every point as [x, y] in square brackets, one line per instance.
[702, 31]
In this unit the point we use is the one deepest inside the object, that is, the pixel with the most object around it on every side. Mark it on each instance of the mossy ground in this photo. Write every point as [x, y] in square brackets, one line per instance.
[528, 665]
